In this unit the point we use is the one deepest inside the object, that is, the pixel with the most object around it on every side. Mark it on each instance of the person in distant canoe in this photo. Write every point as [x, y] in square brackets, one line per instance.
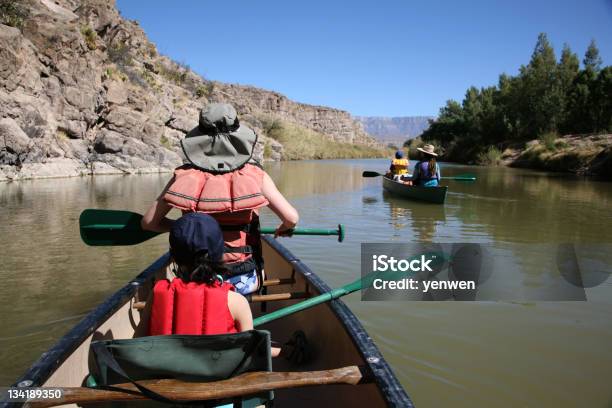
[222, 179]
[399, 167]
[198, 301]
[426, 172]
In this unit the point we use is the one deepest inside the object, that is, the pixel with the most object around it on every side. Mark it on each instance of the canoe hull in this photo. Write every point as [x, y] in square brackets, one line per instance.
[335, 334]
[435, 195]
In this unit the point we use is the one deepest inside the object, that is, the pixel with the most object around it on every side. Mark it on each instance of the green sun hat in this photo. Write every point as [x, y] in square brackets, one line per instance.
[219, 144]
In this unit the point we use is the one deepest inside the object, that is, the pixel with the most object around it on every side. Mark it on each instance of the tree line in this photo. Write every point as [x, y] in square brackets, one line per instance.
[546, 97]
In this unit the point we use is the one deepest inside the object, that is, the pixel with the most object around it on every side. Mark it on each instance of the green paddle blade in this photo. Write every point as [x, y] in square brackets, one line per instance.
[112, 227]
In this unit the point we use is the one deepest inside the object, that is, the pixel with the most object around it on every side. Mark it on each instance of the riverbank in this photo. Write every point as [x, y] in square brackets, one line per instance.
[317, 149]
[584, 155]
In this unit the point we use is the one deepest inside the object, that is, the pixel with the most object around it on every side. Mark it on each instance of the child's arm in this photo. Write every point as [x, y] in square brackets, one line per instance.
[241, 312]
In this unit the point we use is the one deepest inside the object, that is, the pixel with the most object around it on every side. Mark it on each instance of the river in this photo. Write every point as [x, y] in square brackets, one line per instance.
[464, 354]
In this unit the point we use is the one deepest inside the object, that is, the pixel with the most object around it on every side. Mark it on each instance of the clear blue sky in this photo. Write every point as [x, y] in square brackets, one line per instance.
[374, 58]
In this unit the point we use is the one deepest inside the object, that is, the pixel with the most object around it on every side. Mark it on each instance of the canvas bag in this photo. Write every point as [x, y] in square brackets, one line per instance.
[182, 357]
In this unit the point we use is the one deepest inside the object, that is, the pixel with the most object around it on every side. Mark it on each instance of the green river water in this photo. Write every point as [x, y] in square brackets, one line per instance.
[464, 354]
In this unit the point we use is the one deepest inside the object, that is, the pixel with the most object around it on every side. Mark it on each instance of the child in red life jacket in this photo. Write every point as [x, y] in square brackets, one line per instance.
[221, 178]
[198, 301]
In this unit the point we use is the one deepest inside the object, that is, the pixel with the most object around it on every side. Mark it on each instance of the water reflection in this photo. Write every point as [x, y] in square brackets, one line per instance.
[422, 218]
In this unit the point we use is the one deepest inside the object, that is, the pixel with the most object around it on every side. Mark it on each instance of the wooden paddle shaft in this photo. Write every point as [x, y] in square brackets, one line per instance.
[244, 384]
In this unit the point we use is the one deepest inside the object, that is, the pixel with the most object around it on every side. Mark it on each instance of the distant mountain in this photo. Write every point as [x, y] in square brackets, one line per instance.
[396, 129]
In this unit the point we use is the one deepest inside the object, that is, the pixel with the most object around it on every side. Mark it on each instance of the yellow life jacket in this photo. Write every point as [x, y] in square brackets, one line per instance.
[399, 166]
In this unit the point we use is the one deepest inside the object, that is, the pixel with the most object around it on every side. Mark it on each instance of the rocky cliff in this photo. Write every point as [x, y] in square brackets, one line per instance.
[83, 91]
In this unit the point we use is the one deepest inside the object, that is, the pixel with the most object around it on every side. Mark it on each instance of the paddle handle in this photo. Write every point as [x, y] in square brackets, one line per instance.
[311, 231]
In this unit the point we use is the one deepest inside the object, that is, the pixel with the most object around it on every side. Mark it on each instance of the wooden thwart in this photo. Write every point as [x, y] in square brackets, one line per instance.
[277, 296]
[252, 298]
[242, 385]
[276, 282]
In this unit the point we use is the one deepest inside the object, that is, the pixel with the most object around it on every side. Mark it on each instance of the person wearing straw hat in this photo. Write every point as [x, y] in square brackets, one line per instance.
[426, 172]
[221, 178]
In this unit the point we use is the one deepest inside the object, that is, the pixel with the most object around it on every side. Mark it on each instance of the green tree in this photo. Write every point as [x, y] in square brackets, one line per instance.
[592, 60]
[540, 109]
[449, 125]
[601, 101]
[567, 72]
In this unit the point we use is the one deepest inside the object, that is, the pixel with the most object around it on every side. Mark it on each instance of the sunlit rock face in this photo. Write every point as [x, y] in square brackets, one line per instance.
[83, 91]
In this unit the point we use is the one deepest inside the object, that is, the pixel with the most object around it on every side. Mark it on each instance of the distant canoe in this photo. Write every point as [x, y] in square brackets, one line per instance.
[435, 195]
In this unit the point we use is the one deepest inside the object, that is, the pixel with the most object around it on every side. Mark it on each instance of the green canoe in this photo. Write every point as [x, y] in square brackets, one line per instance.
[435, 195]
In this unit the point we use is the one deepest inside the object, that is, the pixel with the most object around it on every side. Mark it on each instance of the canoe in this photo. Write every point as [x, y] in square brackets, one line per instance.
[435, 195]
[334, 332]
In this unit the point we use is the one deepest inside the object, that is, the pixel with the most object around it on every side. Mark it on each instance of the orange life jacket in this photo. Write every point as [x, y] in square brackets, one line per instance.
[232, 199]
[399, 166]
[190, 308]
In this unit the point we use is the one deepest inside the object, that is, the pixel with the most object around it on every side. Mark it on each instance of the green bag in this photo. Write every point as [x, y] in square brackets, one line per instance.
[182, 357]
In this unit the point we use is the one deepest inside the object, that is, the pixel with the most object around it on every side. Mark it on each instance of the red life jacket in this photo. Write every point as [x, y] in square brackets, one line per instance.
[232, 199]
[190, 308]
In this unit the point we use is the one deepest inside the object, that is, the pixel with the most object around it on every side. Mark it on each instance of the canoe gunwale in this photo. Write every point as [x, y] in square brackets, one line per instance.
[42, 369]
[391, 389]
[389, 386]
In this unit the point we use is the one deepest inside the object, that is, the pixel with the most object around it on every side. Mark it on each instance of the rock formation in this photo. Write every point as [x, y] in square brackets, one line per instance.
[83, 91]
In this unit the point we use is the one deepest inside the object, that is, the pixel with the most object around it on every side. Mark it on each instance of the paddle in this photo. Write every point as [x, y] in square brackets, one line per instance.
[461, 177]
[359, 284]
[241, 385]
[115, 227]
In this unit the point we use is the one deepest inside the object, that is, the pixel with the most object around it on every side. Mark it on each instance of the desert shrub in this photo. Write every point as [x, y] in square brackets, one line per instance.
[204, 90]
[548, 140]
[89, 35]
[61, 135]
[176, 74]
[115, 74]
[164, 141]
[12, 13]
[120, 55]
[490, 157]
[411, 145]
[136, 78]
[151, 50]
[150, 80]
[267, 152]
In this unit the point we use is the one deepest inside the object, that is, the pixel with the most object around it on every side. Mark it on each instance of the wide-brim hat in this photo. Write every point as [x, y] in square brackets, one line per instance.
[428, 149]
[219, 143]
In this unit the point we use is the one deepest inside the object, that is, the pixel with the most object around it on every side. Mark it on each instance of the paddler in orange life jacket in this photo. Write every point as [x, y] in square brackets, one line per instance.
[399, 167]
[198, 301]
[221, 178]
